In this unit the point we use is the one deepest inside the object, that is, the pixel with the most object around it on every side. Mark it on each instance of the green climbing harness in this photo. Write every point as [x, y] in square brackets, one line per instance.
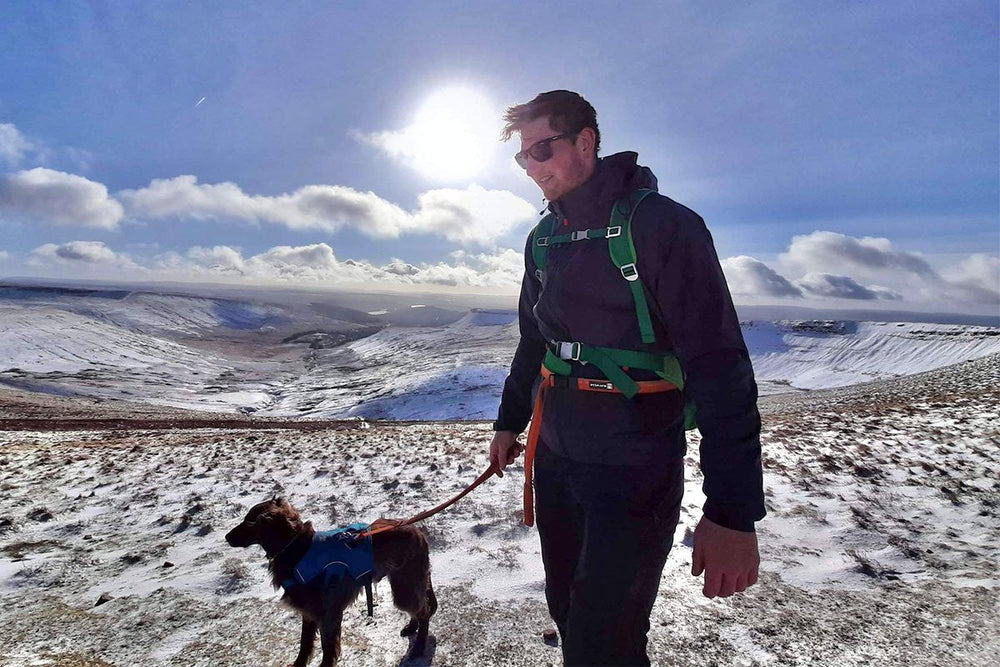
[612, 362]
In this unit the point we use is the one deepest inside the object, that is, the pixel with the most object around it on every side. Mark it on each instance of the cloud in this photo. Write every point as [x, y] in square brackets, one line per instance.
[317, 263]
[58, 198]
[834, 265]
[977, 276]
[473, 216]
[4, 255]
[83, 252]
[748, 276]
[13, 145]
[843, 287]
[831, 251]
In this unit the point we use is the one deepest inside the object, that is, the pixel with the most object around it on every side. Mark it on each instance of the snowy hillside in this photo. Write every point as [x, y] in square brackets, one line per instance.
[318, 358]
[880, 546]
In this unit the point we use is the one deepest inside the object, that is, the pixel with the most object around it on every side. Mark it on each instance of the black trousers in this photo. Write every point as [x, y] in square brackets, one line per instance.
[605, 532]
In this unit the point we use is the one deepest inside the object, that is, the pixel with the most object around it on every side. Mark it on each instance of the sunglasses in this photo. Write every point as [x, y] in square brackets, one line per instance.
[540, 151]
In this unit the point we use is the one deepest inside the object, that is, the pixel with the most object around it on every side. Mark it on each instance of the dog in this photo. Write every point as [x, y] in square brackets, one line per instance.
[401, 554]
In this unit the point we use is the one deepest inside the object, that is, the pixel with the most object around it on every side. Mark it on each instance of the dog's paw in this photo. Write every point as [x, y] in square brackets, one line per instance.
[409, 629]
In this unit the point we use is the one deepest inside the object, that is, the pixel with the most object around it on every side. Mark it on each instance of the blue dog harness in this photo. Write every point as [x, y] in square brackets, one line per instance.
[336, 555]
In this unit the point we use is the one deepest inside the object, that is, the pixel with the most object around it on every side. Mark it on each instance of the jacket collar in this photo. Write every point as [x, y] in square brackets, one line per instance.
[614, 177]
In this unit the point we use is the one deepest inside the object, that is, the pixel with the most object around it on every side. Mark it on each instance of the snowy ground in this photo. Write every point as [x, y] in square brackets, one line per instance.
[882, 543]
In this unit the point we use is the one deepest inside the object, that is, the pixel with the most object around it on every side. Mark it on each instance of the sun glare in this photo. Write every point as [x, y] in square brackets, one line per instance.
[453, 134]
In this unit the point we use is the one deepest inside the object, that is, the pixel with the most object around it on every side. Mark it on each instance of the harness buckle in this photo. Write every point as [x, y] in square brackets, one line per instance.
[580, 235]
[542, 241]
[614, 231]
[568, 351]
[630, 273]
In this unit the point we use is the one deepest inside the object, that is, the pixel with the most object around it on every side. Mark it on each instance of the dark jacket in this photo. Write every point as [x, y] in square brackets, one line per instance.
[582, 297]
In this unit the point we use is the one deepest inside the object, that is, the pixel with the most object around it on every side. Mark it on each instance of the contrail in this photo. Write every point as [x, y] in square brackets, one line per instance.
[199, 102]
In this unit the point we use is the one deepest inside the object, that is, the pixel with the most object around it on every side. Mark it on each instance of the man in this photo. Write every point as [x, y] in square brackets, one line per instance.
[609, 469]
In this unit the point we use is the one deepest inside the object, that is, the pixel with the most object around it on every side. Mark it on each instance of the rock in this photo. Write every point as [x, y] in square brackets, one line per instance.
[168, 564]
[688, 540]
[40, 514]
[551, 637]
[105, 597]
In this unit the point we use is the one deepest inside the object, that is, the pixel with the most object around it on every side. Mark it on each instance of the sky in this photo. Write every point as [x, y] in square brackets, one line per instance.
[843, 155]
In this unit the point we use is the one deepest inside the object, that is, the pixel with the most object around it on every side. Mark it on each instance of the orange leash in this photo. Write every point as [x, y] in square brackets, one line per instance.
[530, 447]
[581, 384]
[385, 525]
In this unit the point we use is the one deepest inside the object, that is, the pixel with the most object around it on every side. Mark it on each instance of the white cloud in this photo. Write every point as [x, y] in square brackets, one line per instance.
[4, 255]
[81, 252]
[829, 264]
[13, 145]
[58, 198]
[474, 215]
[843, 287]
[317, 263]
[977, 276]
[831, 252]
[747, 276]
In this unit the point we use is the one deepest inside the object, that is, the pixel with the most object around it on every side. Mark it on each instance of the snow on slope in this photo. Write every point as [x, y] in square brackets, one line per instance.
[823, 354]
[288, 360]
[62, 352]
[451, 372]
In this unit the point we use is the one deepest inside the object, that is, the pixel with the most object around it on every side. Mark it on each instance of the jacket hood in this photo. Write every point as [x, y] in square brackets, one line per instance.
[614, 177]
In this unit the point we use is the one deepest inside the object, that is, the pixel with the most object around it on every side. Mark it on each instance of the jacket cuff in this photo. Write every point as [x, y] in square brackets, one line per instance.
[501, 426]
[733, 517]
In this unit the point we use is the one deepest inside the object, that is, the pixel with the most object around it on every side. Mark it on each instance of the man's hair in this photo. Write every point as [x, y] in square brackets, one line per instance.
[567, 112]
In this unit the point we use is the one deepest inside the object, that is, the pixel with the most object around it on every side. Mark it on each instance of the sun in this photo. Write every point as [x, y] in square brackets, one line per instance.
[453, 134]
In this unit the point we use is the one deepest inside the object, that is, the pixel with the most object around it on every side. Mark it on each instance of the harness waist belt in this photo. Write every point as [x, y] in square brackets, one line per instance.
[605, 386]
[550, 379]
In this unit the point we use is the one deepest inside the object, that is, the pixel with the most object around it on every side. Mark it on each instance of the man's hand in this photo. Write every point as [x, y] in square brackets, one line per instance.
[503, 450]
[729, 559]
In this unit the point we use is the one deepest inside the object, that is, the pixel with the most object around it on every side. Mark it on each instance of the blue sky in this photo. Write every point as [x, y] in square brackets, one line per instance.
[843, 154]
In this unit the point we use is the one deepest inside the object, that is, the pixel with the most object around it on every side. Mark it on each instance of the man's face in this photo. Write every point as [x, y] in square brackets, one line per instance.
[571, 164]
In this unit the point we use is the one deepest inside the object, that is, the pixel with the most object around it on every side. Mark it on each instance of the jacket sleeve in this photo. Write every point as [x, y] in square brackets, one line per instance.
[694, 302]
[516, 400]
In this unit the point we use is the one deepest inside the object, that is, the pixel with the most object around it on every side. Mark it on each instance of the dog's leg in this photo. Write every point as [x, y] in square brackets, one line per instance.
[432, 601]
[409, 628]
[420, 641]
[413, 625]
[306, 643]
[329, 630]
[412, 592]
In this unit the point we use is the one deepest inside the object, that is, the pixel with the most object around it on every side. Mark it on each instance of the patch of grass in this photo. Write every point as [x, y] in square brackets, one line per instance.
[18, 550]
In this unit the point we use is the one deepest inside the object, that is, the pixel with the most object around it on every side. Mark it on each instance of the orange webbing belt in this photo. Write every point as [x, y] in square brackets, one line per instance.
[580, 384]
[385, 525]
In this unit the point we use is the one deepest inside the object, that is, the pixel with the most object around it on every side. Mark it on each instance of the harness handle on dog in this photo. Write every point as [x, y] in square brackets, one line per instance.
[385, 525]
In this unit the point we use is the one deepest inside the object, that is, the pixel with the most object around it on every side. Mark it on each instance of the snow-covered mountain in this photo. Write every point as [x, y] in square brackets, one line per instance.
[318, 358]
